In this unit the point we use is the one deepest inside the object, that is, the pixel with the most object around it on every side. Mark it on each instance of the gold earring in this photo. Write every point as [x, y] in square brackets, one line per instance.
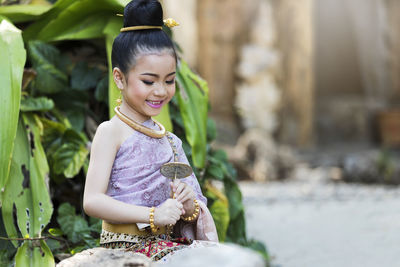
[119, 100]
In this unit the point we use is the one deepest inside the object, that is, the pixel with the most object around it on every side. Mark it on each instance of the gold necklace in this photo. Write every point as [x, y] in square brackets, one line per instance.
[140, 128]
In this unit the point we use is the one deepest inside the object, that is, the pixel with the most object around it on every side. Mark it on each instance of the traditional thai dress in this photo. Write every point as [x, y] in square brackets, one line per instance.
[136, 179]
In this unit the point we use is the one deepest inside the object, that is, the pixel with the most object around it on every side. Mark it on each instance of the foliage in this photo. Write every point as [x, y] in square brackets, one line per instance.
[192, 97]
[80, 234]
[13, 57]
[24, 165]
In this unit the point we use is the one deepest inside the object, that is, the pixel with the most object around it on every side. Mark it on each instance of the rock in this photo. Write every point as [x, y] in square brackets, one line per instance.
[102, 257]
[222, 255]
[261, 158]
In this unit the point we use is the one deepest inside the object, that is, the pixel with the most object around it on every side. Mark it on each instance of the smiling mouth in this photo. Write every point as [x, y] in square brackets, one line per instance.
[155, 104]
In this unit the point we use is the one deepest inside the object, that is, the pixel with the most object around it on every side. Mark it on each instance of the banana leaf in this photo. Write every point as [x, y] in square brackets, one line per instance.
[13, 56]
[34, 254]
[219, 209]
[24, 13]
[164, 118]
[192, 98]
[111, 31]
[69, 19]
[14, 187]
[38, 172]
[27, 193]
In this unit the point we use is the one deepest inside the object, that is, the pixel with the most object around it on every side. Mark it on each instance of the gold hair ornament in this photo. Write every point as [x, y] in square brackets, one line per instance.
[167, 22]
[170, 23]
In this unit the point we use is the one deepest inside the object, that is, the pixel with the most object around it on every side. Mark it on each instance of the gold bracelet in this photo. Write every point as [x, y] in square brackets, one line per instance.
[195, 214]
[152, 226]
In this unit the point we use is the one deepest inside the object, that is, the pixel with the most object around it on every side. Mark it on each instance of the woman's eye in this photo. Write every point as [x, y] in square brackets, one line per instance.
[171, 81]
[147, 82]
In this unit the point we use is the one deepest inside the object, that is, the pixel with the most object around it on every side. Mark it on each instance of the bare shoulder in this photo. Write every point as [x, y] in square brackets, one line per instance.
[107, 135]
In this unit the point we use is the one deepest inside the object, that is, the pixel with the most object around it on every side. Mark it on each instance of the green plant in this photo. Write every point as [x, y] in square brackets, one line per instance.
[24, 165]
[80, 233]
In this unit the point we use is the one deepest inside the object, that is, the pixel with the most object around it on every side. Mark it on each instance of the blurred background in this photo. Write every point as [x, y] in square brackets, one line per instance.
[304, 76]
[306, 96]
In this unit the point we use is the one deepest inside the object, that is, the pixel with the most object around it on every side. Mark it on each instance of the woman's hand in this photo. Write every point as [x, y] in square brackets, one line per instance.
[168, 213]
[185, 195]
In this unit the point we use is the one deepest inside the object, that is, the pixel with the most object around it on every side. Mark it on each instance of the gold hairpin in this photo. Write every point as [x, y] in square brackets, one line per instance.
[170, 22]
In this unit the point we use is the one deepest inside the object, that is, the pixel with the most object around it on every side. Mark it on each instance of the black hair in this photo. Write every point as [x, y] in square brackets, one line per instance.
[129, 45]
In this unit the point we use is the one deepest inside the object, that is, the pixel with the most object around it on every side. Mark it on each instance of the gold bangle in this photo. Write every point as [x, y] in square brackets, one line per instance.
[195, 214]
[152, 226]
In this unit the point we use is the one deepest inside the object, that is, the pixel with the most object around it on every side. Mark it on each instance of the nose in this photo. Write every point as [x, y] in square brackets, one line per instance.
[160, 91]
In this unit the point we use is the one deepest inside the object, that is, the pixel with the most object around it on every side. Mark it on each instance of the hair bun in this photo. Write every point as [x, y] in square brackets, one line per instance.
[143, 12]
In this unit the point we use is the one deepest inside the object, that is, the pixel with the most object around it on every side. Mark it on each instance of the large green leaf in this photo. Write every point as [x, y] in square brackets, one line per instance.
[38, 173]
[219, 210]
[237, 225]
[111, 31]
[66, 149]
[89, 28]
[34, 254]
[27, 192]
[193, 103]
[70, 157]
[75, 227]
[23, 13]
[13, 55]
[69, 19]
[14, 187]
[164, 118]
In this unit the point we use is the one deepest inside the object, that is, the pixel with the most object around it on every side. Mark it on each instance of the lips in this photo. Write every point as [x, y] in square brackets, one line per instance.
[155, 104]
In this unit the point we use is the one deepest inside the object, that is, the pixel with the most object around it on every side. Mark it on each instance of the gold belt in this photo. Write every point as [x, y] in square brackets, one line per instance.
[131, 229]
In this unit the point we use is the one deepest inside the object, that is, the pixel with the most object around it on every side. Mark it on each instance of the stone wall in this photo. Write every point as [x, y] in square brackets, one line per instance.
[339, 63]
[356, 67]
[294, 20]
[393, 11]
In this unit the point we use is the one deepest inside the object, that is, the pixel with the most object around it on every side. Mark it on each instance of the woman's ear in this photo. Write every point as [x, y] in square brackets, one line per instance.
[118, 78]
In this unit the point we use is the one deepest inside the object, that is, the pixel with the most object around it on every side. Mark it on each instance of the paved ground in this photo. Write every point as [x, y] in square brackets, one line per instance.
[321, 224]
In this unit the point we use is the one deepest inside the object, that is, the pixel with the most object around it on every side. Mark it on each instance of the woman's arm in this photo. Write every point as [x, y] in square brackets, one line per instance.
[95, 201]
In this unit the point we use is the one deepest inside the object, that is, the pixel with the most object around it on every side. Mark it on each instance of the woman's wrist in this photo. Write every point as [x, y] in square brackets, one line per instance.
[189, 207]
[153, 227]
[194, 214]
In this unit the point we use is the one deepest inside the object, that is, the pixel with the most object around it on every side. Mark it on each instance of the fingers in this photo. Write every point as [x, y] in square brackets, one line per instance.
[169, 212]
[183, 191]
[175, 184]
[180, 188]
[185, 195]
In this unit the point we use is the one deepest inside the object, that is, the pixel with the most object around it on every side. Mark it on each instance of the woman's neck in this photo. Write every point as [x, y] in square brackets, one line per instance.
[127, 110]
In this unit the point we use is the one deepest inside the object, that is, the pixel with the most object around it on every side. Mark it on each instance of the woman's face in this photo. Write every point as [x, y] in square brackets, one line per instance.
[150, 85]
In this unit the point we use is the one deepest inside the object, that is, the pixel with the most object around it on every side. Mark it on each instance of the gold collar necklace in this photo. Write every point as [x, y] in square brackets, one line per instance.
[140, 128]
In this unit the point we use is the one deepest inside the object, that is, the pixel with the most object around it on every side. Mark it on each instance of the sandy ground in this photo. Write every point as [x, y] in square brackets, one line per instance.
[322, 224]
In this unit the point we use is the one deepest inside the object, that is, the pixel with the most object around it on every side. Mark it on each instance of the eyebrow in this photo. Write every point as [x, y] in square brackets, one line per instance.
[156, 75]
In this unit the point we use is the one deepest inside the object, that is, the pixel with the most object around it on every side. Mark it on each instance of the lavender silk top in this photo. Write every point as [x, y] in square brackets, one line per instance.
[135, 175]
